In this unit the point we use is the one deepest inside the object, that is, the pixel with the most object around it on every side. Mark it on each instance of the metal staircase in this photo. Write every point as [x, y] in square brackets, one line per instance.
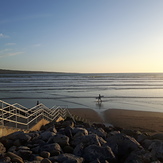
[18, 116]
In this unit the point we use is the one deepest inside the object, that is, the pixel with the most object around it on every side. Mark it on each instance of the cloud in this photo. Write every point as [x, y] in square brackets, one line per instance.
[10, 44]
[10, 54]
[4, 51]
[3, 36]
[37, 45]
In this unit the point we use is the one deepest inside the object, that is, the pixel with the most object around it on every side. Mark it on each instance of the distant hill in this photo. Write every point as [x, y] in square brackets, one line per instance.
[3, 71]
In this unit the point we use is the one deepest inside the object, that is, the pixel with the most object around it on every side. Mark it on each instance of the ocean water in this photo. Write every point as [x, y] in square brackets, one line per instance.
[133, 91]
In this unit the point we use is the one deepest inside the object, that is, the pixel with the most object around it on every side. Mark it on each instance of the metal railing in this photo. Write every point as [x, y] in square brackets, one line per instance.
[18, 116]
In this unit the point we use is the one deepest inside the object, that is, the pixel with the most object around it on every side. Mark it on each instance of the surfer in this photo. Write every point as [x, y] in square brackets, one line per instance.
[99, 98]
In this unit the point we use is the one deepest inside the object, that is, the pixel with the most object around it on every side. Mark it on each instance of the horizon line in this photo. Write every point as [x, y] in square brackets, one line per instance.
[3, 71]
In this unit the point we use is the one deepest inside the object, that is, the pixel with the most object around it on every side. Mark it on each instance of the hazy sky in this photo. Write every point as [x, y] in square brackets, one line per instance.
[101, 36]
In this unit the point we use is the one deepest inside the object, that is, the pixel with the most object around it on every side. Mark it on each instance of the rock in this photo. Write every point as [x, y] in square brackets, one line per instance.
[23, 137]
[80, 130]
[77, 135]
[122, 145]
[69, 158]
[78, 150]
[45, 160]
[98, 161]
[52, 129]
[15, 135]
[68, 123]
[113, 133]
[131, 133]
[39, 142]
[38, 158]
[6, 142]
[12, 149]
[34, 134]
[17, 160]
[140, 156]
[66, 142]
[158, 136]
[46, 135]
[94, 152]
[17, 143]
[2, 149]
[141, 137]
[68, 131]
[45, 154]
[23, 148]
[62, 140]
[35, 149]
[5, 160]
[146, 143]
[98, 125]
[24, 154]
[88, 140]
[53, 149]
[98, 131]
[156, 149]
[68, 149]
[14, 157]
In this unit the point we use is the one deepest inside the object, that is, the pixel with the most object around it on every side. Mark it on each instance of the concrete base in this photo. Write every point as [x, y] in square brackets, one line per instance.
[37, 127]
[5, 130]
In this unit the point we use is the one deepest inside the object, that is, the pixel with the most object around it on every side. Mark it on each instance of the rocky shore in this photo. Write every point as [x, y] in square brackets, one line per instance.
[69, 142]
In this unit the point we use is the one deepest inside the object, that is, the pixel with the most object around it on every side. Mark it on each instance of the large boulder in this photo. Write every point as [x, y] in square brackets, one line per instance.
[68, 123]
[45, 154]
[45, 160]
[62, 140]
[68, 131]
[67, 158]
[88, 140]
[156, 149]
[2, 149]
[34, 134]
[80, 130]
[54, 149]
[23, 137]
[52, 129]
[98, 131]
[94, 152]
[158, 136]
[140, 156]
[46, 135]
[25, 154]
[122, 145]
[79, 150]
[14, 157]
[146, 143]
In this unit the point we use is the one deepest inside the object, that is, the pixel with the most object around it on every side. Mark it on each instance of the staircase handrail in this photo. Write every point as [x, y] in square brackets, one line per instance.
[12, 113]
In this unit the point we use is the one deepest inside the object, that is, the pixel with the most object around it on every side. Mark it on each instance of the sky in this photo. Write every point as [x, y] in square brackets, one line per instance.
[85, 36]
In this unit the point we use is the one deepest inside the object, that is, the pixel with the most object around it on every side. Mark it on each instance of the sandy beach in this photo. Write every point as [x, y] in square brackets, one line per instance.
[89, 114]
[150, 122]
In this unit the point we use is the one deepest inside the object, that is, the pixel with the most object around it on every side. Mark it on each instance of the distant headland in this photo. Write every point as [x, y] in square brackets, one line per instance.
[5, 71]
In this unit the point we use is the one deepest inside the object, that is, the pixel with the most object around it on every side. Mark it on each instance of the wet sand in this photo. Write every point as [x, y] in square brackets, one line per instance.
[88, 114]
[138, 120]
[150, 122]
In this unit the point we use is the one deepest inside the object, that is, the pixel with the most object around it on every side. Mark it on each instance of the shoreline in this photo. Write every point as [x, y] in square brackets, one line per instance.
[150, 122]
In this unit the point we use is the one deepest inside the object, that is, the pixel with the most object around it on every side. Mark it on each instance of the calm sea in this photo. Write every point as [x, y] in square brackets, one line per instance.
[121, 91]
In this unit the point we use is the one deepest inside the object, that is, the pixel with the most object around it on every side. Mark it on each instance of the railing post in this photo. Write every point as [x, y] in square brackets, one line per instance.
[27, 120]
[16, 118]
[2, 116]
[36, 118]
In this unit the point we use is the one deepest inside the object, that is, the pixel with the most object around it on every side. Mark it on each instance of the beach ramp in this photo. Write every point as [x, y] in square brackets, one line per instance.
[15, 117]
